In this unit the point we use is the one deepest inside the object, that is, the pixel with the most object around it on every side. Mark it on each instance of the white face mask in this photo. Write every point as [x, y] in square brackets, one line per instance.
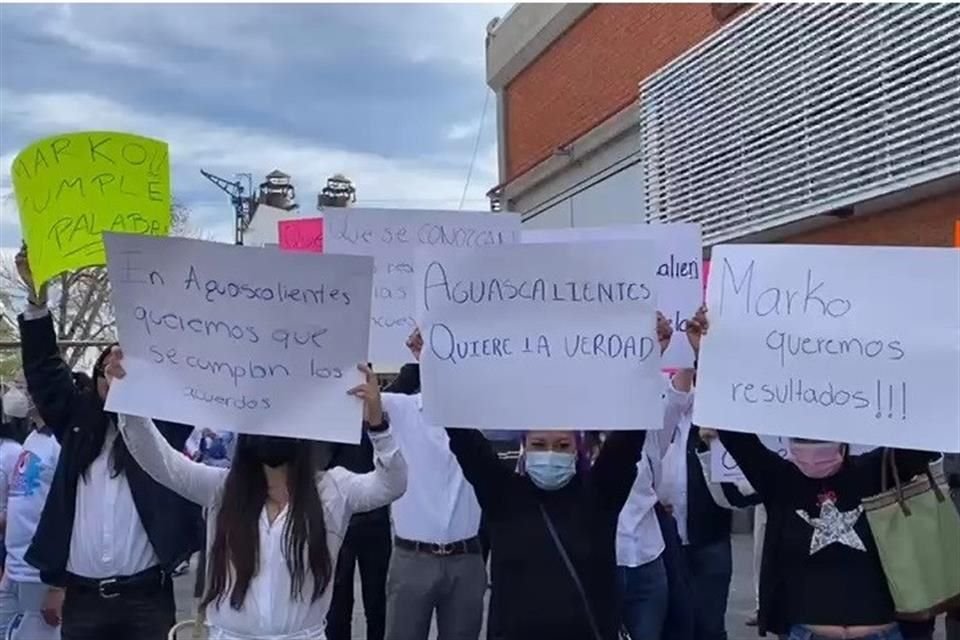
[550, 470]
[15, 403]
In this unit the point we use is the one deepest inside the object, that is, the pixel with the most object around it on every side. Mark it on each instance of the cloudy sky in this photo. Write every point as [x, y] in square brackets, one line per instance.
[390, 95]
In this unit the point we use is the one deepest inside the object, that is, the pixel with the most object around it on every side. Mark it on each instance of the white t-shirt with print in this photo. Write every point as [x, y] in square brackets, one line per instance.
[28, 489]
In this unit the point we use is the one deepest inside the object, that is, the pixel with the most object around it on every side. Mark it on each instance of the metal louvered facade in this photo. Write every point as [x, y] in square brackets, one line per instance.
[796, 110]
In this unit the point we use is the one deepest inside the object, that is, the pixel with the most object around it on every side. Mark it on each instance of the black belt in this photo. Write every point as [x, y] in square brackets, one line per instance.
[145, 582]
[460, 547]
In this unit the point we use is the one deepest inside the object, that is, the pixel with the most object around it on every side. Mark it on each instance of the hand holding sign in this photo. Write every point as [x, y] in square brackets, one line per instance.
[369, 392]
[71, 188]
[664, 332]
[697, 327]
[36, 296]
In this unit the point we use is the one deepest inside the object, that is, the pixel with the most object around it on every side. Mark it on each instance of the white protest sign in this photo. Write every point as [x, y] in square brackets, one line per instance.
[545, 336]
[723, 468]
[251, 339]
[854, 344]
[392, 236]
[678, 252]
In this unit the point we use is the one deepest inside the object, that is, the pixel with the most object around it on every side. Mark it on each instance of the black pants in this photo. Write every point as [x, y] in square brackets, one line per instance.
[367, 544]
[144, 616]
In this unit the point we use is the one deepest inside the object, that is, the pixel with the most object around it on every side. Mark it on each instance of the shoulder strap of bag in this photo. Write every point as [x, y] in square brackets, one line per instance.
[573, 573]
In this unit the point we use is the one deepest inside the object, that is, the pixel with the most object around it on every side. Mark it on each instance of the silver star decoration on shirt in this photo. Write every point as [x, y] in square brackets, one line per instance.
[832, 526]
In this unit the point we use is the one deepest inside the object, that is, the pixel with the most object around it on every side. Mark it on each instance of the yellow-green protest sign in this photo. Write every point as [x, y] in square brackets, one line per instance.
[73, 187]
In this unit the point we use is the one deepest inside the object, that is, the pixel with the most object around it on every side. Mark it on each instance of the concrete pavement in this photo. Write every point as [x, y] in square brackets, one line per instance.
[739, 609]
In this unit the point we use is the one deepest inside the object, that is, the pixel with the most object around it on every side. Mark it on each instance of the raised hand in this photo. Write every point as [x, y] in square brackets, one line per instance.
[697, 327]
[415, 344]
[664, 332]
[35, 297]
[369, 392]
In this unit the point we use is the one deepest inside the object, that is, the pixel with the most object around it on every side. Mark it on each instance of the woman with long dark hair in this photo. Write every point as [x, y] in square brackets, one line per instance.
[275, 522]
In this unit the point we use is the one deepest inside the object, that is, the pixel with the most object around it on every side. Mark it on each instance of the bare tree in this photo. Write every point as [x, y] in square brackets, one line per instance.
[79, 303]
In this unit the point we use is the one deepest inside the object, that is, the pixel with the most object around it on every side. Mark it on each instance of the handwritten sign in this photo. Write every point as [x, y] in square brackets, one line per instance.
[71, 188]
[859, 344]
[392, 236]
[549, 336]
[723, 468]
[262, 340]
[677, 265]
[304, 234]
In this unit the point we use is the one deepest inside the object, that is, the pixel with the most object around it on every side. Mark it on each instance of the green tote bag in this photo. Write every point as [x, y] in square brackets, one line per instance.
[917, 530]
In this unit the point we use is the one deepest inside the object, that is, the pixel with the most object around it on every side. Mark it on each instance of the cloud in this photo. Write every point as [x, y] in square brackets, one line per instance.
[63, 27]
[462, 130]
[425, 181]
[387, 94]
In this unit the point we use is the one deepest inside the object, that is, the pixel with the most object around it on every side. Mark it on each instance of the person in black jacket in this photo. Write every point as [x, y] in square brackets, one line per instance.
[821, 575]
[536, 593]
[108, 533]
[552, 527]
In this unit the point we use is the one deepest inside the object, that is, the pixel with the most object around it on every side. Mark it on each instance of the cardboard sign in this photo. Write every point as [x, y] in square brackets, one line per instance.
[260, 340]
[677, 265]
[71, 188]
[546, 336]
[856, 344]
[392, 236]
[305, 234]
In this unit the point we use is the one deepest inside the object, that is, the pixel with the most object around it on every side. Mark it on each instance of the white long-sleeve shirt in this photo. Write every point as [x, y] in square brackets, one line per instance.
[673, 487]
[439, 505]
[639, 539]
[268, 612]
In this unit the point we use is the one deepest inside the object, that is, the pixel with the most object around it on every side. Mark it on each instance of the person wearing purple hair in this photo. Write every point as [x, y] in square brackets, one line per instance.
[552, 527]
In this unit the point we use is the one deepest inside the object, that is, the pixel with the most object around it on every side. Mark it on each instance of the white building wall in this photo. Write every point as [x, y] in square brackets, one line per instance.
[262, 231]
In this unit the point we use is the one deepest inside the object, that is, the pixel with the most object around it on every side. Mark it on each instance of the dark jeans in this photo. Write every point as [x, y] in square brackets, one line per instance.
[679, 622]
[710, 568]
[917, 630]
[644, 597]
[367, 544]
[144, 616]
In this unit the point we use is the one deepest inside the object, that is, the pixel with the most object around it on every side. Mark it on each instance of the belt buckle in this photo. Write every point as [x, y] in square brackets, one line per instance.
[441, 549]
[101, 588]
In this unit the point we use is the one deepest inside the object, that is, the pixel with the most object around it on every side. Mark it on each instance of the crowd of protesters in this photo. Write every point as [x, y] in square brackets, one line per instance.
[553, 535]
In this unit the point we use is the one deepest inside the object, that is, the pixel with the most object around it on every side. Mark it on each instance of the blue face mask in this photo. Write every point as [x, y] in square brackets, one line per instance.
[550, 470]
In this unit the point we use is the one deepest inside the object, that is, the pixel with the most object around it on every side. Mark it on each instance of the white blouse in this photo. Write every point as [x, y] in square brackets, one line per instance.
[268, 612]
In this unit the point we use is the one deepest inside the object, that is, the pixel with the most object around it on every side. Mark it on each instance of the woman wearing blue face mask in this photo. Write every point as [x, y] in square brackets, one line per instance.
[552, 529]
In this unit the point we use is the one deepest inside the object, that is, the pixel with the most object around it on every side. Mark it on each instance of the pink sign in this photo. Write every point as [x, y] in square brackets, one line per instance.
[305, 234]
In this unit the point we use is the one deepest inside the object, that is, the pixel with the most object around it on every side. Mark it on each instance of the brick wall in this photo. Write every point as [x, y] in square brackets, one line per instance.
[928, 223]
[593, 71]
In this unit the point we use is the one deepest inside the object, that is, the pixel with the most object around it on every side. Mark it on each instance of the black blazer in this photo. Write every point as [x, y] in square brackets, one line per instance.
[174, 525]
